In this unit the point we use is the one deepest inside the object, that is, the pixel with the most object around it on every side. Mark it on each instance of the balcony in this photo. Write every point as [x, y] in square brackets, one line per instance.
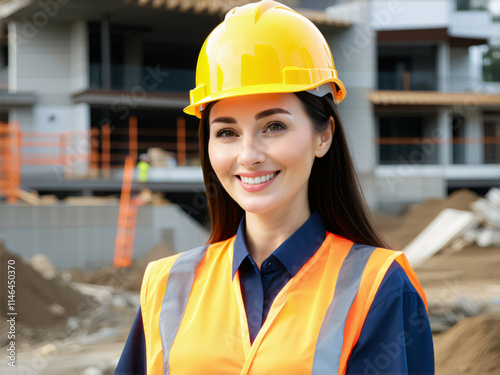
[430, 81]
[407, 80]
[149, 78]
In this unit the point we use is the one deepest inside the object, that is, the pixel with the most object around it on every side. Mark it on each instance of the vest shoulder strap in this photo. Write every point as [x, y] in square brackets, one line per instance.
[171, 278]
[378, 263]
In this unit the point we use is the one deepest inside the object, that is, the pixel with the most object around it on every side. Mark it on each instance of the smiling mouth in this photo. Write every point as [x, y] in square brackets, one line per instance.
[258, 180]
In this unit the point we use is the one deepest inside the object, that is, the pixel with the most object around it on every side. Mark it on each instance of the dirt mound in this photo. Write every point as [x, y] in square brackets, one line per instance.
[481, 353]
[123, 278]
[415, 220]
[38, 301]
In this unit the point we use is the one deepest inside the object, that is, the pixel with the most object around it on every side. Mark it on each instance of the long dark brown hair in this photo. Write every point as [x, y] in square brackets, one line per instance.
[333, 189]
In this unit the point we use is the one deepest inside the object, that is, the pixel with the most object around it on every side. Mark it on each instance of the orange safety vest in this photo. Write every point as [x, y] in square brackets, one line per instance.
[195, 322]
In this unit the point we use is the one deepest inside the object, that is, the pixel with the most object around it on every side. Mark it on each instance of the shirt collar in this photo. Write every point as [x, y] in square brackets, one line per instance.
[294, 252]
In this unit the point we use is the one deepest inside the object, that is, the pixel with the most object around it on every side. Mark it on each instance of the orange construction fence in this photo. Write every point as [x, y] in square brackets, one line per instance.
[104, 153]
[68, 148]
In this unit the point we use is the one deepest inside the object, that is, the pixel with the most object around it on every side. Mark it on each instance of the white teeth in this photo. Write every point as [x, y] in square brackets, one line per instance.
[257, 180]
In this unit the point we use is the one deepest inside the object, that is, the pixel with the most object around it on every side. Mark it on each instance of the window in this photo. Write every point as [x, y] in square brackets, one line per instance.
[458, 123]
[472, 4]
[491, 140]
[407, 140]
[407, 67]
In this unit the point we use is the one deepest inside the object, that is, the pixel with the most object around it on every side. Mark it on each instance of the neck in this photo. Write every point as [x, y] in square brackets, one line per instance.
[265, 232]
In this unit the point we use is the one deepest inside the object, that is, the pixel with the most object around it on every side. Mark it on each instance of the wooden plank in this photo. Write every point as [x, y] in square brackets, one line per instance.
[445, 227]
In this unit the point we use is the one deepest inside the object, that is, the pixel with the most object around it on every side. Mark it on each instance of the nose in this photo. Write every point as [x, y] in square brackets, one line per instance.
[250, 153]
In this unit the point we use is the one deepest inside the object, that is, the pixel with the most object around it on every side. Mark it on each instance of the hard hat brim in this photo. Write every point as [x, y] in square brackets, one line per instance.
[196, 108]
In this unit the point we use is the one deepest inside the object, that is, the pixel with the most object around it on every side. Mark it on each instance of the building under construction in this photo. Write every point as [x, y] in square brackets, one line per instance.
[87, 87]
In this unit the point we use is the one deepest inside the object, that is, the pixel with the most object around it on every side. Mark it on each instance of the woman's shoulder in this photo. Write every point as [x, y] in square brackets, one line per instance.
[397, 284]
[396, 279]
[393, 268]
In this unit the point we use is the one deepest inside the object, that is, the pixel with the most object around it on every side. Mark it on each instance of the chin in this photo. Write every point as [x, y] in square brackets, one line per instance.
[260, 207]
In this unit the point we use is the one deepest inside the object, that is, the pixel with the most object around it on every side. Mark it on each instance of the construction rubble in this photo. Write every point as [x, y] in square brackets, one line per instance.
[452, 244]
[76, 322]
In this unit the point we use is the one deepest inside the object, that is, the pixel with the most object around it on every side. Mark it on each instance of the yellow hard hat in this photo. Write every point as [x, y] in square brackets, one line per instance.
[263, 47]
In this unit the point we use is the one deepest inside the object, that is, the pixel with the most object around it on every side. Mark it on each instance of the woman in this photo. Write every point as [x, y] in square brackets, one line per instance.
[294, 279]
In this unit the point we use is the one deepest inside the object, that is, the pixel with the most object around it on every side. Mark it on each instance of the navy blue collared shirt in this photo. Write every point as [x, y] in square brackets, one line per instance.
[396, 337]
[260, 287]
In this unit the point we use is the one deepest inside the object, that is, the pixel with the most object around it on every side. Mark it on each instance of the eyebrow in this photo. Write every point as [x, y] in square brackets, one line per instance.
[258, 116]
[269, 112]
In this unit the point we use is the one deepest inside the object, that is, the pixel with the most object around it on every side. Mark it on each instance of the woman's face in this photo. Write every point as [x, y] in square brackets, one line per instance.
[262, 148]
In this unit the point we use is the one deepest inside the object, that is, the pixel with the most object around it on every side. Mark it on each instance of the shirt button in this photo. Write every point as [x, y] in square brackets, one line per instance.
[269, 264]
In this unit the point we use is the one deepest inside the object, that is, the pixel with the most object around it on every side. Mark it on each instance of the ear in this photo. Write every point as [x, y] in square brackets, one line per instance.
[325, 139]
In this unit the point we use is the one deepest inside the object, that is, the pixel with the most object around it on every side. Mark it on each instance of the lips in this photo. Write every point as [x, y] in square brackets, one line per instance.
[259, 179]
[259, 182]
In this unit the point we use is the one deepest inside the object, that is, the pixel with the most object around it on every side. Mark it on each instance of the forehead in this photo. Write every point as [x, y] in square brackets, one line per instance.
[250, 105]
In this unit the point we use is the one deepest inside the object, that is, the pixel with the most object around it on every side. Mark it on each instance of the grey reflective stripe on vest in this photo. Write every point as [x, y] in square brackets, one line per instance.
[179, 283]
[331, 335]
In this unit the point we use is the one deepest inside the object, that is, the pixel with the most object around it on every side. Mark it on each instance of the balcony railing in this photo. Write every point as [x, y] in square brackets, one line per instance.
[407, 80]
[429, 81]
[149, 78]
[426, 150]
[471, 5]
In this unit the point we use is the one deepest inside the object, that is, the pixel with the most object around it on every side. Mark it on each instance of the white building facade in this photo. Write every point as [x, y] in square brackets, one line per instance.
[435, 122]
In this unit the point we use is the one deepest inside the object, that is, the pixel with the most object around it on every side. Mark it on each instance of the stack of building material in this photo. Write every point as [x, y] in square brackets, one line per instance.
[400, 231]
[161, 158]
[488, 210]
[456, 229]
[33, 199]
[445, 228]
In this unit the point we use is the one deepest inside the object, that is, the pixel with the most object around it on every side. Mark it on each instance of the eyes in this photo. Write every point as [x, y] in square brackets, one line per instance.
[272, 127]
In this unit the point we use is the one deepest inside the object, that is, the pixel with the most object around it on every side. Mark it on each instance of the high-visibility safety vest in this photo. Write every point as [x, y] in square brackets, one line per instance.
[195, 322]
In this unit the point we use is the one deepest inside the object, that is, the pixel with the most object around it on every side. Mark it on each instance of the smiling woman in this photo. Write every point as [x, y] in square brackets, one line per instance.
[269, 134]
[293, 279]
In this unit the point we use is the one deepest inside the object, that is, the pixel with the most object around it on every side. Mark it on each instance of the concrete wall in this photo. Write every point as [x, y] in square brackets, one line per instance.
[443, 65]
[398, 187]
[84, 237]
[460, 75]
[354, 51]
[51, 62]
[411, 14]
[474, 152]
[471, 24]
[79, 56]
[44, 65]
[431, 14]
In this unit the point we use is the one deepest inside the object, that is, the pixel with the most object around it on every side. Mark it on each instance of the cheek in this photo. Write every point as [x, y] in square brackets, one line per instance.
[218, 159]
[296, 152]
